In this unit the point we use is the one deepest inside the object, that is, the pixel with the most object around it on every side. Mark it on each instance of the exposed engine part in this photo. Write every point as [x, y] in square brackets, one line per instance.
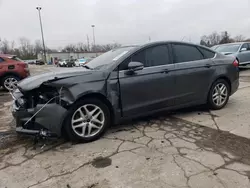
[48, 101]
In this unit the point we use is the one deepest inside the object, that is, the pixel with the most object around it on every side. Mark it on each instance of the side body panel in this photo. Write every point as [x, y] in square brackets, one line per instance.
[147, 90]
[193, 80]
[244, 56]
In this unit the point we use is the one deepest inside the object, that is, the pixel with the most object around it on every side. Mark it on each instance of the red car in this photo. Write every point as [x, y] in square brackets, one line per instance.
[12, 69]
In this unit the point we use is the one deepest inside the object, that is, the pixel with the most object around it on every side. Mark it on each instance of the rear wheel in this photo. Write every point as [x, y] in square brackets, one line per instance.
[218, 94]
[9, 82]
[87, 120]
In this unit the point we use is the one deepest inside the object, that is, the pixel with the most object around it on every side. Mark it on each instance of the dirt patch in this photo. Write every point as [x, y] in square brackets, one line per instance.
[101, 162]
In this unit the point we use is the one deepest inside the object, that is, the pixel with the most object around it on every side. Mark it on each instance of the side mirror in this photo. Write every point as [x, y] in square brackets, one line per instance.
[243, 49]
[134, 66]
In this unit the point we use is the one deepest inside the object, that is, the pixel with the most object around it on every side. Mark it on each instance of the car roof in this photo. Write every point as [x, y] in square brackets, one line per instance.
[232, 43]
[162, 42]
[7, 55]
[168, 41]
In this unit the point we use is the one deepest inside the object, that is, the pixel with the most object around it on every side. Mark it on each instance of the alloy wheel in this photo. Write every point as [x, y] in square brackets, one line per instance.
[10, 83]
[220, 94]
[88, 120]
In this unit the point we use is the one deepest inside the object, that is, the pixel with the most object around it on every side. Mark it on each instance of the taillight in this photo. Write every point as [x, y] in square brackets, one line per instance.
[235, 63]
[24, 65]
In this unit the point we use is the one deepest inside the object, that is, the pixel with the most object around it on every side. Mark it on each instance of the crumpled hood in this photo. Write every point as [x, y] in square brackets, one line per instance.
[35, 81]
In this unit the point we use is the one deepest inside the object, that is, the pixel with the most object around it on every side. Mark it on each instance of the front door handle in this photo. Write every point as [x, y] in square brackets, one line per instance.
[208, 65]
[165, 71]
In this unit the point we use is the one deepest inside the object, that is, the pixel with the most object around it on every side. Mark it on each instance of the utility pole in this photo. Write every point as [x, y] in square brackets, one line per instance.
[41, 25]
[88, 42]
[93, 26]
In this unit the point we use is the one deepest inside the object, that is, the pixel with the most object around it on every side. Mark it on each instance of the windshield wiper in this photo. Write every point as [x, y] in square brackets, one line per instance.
[87, 67]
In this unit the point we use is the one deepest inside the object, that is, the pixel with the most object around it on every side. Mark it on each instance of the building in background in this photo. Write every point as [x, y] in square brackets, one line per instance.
[52, 57]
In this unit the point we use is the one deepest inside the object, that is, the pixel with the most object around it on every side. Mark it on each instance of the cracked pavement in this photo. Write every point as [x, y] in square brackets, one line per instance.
[190, 148]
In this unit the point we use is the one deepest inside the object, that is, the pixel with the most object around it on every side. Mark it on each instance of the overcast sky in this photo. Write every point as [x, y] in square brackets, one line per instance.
[122, 21]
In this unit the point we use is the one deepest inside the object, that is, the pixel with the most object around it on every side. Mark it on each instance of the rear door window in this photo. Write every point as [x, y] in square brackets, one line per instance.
[157, 56]
[153, 56]
[248, 46]
[186, 53]
[206, 53]
[244, 46]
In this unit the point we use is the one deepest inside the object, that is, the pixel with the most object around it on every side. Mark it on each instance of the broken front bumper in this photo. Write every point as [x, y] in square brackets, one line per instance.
[42, 119]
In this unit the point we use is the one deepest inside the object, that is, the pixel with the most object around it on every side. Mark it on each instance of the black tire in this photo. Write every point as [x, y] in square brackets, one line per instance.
[8, 77]
[210, 102]
[71, 135]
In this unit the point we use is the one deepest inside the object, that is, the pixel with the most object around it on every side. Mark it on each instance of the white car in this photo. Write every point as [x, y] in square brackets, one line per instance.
[80, 62]
[62, 63]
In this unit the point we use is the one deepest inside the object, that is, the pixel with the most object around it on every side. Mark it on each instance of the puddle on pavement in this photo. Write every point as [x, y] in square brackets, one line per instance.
[101, 162]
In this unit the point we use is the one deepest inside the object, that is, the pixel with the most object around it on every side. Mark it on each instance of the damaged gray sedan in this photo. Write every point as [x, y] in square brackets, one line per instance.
[123, 83]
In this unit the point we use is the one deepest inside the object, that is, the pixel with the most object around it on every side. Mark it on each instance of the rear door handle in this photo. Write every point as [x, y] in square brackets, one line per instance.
[208, 65]
[165, 71]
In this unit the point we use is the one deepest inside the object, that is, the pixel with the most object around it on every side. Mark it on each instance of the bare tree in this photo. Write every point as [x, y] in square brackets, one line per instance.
[203, 42]
[225, 38]
[210, 40]
[26, 49]
[214, 38]
[69, 48]
[29, 50]
[81, 47]
[108, 47]
[239, 38]
[5, 46]
[38, 47]
[105, 47]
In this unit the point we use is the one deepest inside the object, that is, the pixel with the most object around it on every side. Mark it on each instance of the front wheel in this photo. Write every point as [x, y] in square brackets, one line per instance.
[218, 94]
[9, 82]
[87, 120]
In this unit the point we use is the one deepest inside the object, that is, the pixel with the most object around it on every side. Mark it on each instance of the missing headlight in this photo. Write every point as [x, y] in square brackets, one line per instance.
[45, 94]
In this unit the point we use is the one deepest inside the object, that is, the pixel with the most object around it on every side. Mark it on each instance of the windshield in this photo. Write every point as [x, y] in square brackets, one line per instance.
[228, 48]
[16, 58]
[107, 59]
[214, 47]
